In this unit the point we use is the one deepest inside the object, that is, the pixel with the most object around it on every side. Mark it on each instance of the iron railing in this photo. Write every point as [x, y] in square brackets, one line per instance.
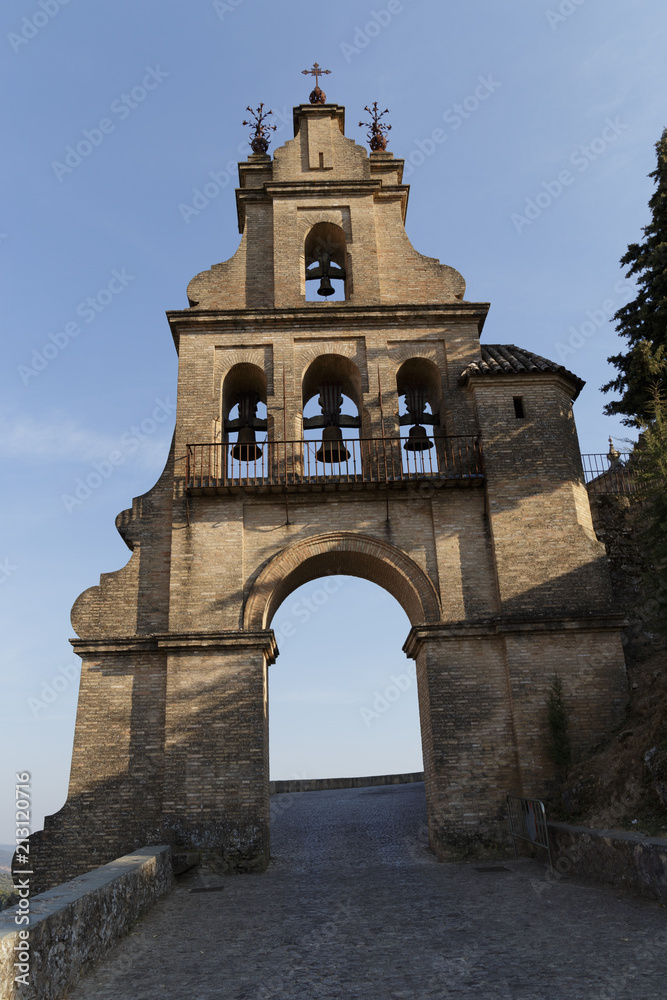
[527, 820]
[364, 461]
[603, 474]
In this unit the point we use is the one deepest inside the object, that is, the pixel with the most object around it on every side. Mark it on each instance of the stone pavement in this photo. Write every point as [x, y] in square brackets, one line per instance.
[353, 905]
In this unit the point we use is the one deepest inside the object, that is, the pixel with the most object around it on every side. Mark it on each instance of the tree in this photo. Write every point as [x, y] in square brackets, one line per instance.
[649, 460]
[643, 322]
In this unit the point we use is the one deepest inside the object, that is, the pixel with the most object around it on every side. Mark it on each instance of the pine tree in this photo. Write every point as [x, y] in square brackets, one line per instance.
[643, 322]
[650, 469]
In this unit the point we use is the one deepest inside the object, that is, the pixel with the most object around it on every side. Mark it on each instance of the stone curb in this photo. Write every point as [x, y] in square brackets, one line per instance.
[620, 858]
[75, 923]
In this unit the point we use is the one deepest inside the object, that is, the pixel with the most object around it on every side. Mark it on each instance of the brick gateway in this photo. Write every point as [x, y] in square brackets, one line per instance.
[481, 528]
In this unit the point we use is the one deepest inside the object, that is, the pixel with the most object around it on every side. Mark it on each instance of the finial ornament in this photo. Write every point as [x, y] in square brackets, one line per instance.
[259, 137]
[317, 96]
[377, 140]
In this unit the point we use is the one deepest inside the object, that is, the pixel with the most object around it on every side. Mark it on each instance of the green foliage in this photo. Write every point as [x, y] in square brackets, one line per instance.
[558, 744]
[7, 895]
[649, 460]
[643, 322]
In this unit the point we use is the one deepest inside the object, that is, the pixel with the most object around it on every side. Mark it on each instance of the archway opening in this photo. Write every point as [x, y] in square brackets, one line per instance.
[326, 263]
[342, 695]
[332, 398]
[419, 388]
[244, 421]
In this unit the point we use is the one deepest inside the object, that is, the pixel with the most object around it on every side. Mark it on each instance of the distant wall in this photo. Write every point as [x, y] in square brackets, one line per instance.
[625, 860]
[73, 924]
[322, 784]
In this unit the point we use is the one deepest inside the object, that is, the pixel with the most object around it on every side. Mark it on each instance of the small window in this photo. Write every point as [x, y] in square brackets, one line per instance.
[518, 407]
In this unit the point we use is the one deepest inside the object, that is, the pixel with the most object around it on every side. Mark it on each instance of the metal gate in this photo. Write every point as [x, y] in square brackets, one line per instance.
[528, 821]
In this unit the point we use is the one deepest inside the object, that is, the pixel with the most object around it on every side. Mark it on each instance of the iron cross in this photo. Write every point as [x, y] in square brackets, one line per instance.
[316, 72]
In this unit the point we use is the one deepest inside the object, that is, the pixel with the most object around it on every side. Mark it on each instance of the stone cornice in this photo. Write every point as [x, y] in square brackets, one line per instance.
[176, 642]
[311, 317]
[450, 631]
[317, 188]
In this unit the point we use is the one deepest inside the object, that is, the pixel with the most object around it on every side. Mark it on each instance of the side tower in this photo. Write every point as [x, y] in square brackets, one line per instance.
[466, 502]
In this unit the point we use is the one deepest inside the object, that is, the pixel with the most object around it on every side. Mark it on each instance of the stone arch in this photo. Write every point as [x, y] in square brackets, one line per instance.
[325, 252]
[346, 553]
[333, 368]
[421, 371]
[242, 377]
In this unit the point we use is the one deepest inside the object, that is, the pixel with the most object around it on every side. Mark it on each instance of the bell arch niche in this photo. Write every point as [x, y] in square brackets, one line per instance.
[243, 417]
[326, 263]
[419, 387]
[332, 403]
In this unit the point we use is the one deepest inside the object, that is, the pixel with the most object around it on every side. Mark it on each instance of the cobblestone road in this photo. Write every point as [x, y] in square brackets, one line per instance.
[353, 905]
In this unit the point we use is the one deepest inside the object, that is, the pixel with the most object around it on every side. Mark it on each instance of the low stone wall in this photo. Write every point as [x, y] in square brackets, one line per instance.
[322, 784]
[73, 924]
[625, 860]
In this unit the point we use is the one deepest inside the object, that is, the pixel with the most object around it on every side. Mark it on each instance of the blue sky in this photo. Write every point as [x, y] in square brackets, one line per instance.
[533, 183]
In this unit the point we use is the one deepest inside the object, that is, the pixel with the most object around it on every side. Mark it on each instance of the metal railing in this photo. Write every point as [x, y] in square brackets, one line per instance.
[350, 461]
[527, 820]
[603, 474]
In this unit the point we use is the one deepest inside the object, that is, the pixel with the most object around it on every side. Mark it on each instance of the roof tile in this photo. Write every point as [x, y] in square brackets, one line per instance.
[506, 359]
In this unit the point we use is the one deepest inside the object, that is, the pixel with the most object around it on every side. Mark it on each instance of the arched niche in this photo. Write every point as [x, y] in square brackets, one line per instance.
[243, 406]
[332, 386]
[419, 385]
[240, 379]
[326, 260]
[332, 368]
[421, 372]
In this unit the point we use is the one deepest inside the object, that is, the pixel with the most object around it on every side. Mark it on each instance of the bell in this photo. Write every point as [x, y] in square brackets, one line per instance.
[332, 448]
[418, 439]
[326, 288]
[246, 449]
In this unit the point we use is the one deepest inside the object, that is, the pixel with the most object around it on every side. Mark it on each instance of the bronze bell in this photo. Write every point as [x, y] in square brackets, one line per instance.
[418, 439]
[332, 449]
[326, 288]
[246, 449]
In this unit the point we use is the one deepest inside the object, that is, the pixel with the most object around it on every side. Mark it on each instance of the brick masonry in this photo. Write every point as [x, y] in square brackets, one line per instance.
[503, 579]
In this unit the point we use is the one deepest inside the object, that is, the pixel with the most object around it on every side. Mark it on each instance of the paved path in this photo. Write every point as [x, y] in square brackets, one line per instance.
[353, 905]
